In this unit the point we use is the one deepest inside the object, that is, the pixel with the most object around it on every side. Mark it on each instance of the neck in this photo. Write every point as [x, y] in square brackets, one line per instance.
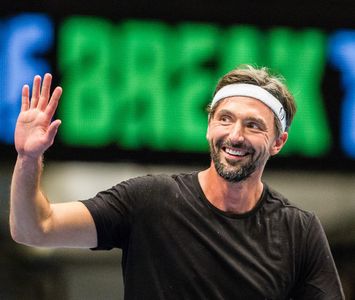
[239, 197]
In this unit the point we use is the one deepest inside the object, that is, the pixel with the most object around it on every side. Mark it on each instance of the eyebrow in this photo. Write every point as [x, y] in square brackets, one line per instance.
[254, 119]
[257, 120]
[224, 112]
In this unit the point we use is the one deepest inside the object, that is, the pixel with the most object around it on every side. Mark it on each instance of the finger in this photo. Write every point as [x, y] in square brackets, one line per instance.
[53, 102]
[35, 91]
[45, 91]
[52, 131]
[25, 98]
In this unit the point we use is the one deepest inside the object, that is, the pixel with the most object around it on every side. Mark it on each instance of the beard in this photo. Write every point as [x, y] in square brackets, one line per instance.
[236, 170]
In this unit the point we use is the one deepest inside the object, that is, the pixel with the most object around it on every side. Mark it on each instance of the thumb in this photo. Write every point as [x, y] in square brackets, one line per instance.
[52, 130]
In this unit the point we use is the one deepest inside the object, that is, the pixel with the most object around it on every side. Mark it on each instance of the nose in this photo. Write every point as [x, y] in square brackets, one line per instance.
[236, 134]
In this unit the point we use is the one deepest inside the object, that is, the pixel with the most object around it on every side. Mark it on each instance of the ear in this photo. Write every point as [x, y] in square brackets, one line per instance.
[208, 132]
[208, 129]
[278, 143]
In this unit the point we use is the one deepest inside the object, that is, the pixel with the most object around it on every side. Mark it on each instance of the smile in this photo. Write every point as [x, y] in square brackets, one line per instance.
[235, 152]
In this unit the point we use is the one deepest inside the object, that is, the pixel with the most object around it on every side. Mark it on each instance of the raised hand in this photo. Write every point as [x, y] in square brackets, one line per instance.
[35, 131]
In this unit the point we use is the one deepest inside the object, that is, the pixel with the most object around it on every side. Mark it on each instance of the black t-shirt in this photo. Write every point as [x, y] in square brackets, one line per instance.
[177, 245]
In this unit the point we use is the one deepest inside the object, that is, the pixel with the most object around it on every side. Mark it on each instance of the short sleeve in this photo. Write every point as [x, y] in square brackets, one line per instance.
[319, 278]
[112, 213]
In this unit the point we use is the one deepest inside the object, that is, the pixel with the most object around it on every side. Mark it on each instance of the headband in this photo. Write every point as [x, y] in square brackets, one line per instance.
[253, 91]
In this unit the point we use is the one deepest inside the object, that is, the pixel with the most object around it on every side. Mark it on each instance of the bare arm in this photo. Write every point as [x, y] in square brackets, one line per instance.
[33, 220]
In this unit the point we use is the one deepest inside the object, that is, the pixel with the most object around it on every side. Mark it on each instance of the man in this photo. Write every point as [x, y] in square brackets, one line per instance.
[216, 234]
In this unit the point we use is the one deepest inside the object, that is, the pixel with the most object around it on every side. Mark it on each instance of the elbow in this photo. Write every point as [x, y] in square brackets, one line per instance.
[19, 237]
[16, 236]
[27, 237]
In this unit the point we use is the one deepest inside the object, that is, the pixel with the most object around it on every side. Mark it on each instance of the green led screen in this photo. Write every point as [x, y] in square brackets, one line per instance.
[149, 88]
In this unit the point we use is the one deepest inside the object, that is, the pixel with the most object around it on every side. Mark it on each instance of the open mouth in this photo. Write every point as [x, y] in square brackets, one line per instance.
[235, 152]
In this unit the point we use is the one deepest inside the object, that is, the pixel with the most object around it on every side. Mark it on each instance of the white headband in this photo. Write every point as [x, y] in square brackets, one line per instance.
[253, 91]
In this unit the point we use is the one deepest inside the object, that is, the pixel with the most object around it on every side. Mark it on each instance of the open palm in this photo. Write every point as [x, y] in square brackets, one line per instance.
[35, 131]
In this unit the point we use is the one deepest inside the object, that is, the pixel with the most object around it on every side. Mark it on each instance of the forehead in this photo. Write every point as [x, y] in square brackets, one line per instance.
[245, 107]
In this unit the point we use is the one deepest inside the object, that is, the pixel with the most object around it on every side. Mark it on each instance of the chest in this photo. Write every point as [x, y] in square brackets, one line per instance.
[249, 255]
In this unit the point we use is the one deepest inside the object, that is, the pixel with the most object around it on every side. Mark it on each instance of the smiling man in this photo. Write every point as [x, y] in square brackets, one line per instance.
[221, 233]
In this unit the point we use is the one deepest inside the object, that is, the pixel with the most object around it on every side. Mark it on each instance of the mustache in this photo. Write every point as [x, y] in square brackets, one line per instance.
[228, 143]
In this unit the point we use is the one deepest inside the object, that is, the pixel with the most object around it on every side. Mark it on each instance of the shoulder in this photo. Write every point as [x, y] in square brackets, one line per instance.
[157, 182]
[285, 209]
[152, 179]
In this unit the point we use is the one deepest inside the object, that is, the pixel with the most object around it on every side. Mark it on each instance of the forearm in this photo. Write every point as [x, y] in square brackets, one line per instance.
[29, 209]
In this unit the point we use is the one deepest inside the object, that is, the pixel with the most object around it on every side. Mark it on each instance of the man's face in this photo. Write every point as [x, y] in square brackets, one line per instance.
[241, 135]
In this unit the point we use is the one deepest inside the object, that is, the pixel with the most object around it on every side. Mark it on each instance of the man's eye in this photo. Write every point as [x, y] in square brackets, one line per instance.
[225, 119]
[253, 125]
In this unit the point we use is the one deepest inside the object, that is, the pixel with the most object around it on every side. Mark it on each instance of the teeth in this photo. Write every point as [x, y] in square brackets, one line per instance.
[235, 152]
